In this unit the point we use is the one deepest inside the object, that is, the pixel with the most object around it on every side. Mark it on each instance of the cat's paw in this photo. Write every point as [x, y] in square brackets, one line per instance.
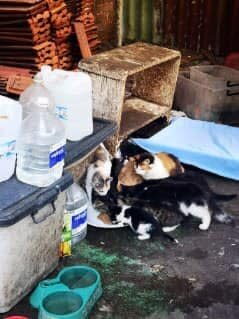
[114, 222]
[144, 237]
[203, 226]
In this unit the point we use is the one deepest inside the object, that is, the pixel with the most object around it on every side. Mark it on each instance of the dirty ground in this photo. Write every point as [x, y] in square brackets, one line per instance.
[199, 278]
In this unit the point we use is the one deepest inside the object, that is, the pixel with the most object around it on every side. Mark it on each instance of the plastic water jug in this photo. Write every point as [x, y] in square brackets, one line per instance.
[41, 146]
[76, 207]
[28, 97]
[72, 93]
[10, 123]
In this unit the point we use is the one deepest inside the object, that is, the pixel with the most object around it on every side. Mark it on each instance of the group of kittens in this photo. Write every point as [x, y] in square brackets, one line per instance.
[151, 193]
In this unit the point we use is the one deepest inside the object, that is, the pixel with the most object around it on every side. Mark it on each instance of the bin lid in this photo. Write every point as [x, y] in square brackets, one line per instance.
[18, 200]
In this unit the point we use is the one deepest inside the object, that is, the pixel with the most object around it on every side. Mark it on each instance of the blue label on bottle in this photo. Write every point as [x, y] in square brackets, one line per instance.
[79, 220]
[56, 156]
[8, 149]
[61, 112]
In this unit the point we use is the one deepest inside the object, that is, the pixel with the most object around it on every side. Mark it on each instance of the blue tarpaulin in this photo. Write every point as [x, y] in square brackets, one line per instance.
[209, 146]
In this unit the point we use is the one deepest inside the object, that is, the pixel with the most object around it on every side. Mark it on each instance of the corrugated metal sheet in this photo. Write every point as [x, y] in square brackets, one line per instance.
[186, 24]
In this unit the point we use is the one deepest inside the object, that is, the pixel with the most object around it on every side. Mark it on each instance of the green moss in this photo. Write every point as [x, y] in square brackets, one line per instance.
[129, 286]
[96, 256]
[141, 302]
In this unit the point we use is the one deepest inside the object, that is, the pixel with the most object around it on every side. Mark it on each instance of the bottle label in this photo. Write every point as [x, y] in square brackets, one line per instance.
[62, 112]
[78, 220]
[7, 149]
[56, 155]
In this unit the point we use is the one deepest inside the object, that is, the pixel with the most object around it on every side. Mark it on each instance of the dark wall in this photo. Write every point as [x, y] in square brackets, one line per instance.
[105, 12]
[190, 24]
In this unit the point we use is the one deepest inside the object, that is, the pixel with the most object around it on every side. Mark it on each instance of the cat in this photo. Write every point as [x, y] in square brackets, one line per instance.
[98, 176]
[127, 175]
[180, 195]
[141, 222]
[157, 166]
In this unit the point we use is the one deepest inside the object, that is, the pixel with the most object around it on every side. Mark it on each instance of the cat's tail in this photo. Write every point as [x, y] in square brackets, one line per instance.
[224, 197]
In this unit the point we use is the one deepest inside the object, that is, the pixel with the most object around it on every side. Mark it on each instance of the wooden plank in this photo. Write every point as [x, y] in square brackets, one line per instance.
[82, 40]
[137, 113]
[122, 62]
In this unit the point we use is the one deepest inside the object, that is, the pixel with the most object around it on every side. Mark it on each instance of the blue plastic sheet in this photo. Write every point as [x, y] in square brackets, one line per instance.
[209, 146]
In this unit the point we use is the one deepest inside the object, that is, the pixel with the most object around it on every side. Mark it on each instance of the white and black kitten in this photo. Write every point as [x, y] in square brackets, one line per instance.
[180, 195]
[140, 221]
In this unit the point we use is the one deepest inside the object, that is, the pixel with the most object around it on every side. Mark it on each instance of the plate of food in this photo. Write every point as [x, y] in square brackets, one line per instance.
[100, 219]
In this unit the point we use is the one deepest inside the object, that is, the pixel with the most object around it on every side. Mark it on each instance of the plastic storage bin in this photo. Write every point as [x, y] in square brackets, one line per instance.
[10, 123]
[209, 93]
[31, 221]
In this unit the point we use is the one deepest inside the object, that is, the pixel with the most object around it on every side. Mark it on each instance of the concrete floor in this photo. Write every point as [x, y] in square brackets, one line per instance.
[198, 278]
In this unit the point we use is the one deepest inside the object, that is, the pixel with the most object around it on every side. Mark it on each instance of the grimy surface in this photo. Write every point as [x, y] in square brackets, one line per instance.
[198, 278]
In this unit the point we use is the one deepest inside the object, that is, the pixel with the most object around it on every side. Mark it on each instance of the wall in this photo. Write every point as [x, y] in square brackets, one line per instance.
[191, 24]
[106, 17]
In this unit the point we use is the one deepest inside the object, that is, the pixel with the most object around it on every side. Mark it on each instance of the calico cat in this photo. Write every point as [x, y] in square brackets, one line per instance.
[98, 177]
[157, 166]
[141, 222]
[181, 196]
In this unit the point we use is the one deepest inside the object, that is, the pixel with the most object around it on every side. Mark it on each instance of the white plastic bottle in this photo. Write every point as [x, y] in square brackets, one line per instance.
[76, 207]
[28, 97]
[10, 123]
[41, 146]
[72, 93]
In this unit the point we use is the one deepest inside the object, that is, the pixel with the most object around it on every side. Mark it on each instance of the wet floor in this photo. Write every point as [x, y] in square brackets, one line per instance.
[198, 278]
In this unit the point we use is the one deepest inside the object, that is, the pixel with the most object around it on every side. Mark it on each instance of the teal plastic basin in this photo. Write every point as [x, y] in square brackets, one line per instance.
[70, 295]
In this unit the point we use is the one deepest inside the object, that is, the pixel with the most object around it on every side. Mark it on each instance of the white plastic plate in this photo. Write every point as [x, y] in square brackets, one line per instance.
[92, 219]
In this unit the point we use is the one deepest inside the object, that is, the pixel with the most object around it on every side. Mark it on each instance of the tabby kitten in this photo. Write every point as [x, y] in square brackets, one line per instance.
[141, 222]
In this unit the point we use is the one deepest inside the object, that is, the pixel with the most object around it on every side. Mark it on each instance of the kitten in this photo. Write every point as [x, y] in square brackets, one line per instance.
[179, 195]
[98, 177]
[141, 222]
[127, 175]
[160, 165]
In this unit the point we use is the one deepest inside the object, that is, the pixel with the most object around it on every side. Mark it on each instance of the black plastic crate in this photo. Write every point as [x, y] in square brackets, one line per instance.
[77, 150]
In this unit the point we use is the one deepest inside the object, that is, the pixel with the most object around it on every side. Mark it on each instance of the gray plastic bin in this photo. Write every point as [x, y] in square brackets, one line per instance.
[31, 222]
[208, 95]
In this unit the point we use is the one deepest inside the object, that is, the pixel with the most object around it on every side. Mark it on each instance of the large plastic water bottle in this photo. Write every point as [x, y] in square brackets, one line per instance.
[72, 93]
[76, 207]
[10, 123]
[28, 97]
[41, 146]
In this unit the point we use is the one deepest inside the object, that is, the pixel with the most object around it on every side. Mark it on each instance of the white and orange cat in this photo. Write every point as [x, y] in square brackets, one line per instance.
[157, 166]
